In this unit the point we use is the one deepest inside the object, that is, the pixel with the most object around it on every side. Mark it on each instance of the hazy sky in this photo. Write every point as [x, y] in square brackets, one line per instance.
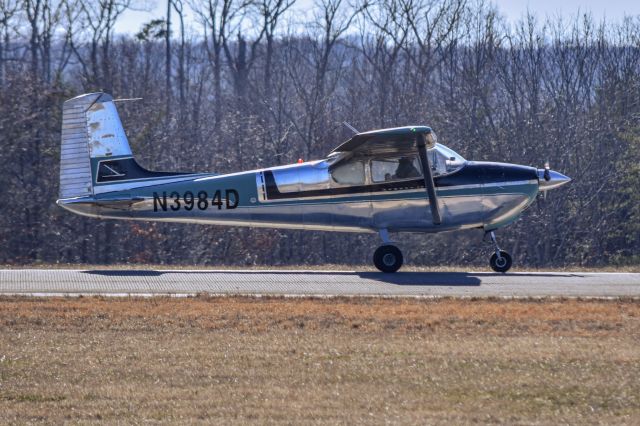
[612, 10]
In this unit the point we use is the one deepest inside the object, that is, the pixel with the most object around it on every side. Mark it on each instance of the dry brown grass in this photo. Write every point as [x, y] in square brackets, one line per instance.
[356, 360]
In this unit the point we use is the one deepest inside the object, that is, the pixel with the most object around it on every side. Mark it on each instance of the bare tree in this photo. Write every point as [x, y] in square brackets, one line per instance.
[98, 20]
[218, 18]
[332, 19]
[271, 12]
[381, 49]
[167, 62]
[8, 9]
[178, 6]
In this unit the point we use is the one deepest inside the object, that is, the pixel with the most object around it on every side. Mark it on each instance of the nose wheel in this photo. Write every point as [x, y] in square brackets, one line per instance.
[387, 258]
[500, 261]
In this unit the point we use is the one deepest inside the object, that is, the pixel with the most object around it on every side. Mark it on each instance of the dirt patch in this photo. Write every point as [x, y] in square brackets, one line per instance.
[356, 360]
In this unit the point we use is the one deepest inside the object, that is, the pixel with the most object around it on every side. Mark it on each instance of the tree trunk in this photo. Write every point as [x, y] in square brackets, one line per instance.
[167, 66]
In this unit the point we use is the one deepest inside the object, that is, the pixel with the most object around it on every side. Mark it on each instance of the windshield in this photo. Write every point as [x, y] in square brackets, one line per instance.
[445, 160]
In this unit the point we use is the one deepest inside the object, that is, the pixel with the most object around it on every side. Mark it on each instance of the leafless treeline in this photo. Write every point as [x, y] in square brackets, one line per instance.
[259, 82]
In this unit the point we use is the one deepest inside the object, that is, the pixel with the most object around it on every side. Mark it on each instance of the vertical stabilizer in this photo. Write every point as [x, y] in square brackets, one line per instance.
[106, 134]
[91, 128]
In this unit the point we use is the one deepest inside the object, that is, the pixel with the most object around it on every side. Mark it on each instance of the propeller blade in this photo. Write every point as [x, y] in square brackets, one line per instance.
[547, 175]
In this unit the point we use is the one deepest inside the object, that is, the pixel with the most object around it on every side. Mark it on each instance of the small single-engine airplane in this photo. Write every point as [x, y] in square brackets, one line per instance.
[388, 180]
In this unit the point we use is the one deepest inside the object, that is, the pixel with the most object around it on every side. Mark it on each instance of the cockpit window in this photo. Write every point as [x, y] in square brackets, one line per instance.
[391, 169]
[349, 173]
[444, 160]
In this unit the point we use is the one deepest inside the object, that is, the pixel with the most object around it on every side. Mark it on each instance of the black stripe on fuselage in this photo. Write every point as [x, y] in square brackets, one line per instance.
[486, 172]
[471, 174]
[121, 169]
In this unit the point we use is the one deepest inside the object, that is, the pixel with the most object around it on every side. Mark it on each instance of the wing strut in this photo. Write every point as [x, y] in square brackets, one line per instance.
[428, 179]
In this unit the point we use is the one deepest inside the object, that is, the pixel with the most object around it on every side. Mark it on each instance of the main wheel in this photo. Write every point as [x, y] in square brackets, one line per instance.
[502, 263]
[387, 258]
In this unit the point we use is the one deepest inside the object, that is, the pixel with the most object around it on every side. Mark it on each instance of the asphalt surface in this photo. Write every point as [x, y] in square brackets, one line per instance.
[52, 282]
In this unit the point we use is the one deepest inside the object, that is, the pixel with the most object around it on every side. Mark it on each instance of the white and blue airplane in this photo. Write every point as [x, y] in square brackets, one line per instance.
[384, 181]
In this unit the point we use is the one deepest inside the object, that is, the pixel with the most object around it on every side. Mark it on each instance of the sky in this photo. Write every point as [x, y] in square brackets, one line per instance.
[512, 10]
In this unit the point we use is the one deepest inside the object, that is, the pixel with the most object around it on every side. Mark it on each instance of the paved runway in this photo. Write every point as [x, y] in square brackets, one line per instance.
[323, 283]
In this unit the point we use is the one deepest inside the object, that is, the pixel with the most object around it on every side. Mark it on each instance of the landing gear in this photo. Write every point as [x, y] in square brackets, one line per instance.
[388, 258]
[500, 261]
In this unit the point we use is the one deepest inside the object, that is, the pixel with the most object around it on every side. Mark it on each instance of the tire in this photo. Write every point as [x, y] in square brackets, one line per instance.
[388, 258]
[503, 264]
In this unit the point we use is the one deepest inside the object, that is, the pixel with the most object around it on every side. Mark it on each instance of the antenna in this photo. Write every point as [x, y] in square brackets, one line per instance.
[350, 127]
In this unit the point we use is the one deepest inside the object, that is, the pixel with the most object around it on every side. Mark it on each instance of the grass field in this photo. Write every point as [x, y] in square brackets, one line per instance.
[356, 360]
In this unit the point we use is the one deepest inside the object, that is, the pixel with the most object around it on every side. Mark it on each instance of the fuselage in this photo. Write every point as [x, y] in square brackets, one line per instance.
[305, 196]
[397, 179]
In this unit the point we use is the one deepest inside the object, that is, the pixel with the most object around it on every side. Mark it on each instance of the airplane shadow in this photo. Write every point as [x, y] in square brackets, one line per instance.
[399, 278]
[448, 279]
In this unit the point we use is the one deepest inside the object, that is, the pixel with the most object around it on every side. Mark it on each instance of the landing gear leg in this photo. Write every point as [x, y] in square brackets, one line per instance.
[387, 258]
[500, 261]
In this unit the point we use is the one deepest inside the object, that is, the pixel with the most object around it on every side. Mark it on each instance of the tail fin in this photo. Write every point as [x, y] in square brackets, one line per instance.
[91, 129]
[95, 156]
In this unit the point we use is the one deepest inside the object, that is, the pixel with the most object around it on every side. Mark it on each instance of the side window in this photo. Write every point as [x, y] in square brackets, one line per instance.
[384, 170]
[350, 173]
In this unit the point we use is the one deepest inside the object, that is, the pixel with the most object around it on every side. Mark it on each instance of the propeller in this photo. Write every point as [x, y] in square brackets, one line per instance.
[542, 195]
[549, 179]
[547, 175]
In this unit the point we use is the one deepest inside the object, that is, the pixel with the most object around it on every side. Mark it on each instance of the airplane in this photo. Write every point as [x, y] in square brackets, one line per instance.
[383, 181]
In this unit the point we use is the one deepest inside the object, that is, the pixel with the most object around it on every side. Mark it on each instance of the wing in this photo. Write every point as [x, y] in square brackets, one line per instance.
[397, 140]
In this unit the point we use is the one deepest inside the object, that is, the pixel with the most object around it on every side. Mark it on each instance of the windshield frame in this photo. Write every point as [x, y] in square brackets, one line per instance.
[446, 153]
